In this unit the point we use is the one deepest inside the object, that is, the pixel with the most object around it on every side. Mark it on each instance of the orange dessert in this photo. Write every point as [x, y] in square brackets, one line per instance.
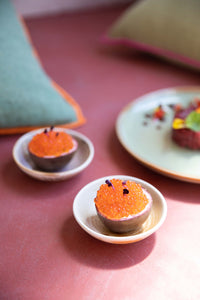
[118, 199]
[51, 149]
[51, 143]
[122, 206]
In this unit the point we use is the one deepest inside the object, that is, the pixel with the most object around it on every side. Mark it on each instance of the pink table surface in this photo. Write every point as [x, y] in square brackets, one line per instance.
[44, 254]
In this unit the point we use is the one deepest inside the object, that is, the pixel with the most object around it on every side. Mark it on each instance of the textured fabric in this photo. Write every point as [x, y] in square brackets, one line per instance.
[169, 28]
[27, 97]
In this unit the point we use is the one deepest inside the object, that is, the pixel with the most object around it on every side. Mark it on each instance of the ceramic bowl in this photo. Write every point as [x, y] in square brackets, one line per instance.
[85, 213]
[80, 161]
[53, 163]
[130, 223]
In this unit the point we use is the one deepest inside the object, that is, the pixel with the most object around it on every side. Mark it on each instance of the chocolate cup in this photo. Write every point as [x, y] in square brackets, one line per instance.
[131, 223]
[53, 163]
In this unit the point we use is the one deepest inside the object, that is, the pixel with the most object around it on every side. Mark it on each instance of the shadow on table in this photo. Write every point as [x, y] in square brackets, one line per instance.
[90, 251]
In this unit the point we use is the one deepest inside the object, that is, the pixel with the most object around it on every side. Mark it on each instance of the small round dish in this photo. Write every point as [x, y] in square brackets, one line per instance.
[86, 216]
[81, 159]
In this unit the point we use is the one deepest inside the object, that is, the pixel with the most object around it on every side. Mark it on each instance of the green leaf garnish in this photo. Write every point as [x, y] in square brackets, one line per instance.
[193, 121]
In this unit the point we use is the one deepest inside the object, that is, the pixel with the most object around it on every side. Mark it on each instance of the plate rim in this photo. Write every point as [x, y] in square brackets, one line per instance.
[42, 175]
[121, 239]
[166, 172]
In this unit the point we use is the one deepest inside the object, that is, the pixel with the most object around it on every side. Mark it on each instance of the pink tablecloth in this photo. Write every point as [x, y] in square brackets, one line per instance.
[44, 254]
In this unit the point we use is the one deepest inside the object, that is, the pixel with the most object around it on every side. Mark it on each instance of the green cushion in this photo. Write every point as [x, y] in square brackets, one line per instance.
[27, 97]
[168, 28]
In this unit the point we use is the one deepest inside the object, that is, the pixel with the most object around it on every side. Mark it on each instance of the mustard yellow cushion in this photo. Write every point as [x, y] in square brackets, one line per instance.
[168, 28]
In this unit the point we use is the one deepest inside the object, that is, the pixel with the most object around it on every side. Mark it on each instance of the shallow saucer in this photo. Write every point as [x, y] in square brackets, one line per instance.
[156, 149]
[81, 159]
[86, 216]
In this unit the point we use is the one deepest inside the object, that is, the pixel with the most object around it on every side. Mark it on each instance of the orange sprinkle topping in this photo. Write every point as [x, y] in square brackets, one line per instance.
[51, 143]
[159, 113]
[114, 203]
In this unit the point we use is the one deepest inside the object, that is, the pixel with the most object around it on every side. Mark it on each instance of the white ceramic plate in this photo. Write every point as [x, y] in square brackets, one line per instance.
[152, 144]
[81, 159]
[85, 213]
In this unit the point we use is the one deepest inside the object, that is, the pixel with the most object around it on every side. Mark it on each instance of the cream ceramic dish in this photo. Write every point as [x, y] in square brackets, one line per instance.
[81, 159]
[151, 144]
[86, 216]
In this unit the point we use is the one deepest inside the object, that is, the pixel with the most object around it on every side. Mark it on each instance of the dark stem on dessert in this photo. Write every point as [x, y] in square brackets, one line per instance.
[125, 191]
[45, 131]
[57, 133]
[109, 183]
[51, 128]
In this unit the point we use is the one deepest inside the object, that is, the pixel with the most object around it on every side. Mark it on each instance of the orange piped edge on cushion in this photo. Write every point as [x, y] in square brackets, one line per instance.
[68, 98]
[80, 118]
